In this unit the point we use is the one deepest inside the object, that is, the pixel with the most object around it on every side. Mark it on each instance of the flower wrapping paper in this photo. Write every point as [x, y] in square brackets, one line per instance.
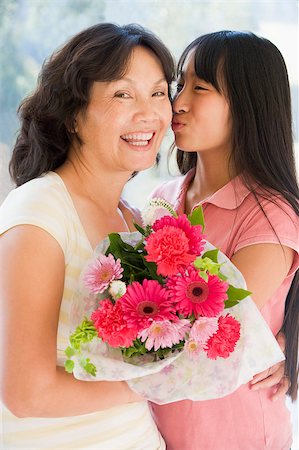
[178, 377]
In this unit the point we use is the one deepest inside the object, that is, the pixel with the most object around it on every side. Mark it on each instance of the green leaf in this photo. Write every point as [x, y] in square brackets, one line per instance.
[140, 229]
[152, 270]
[235, 295]
[131, 258]
[197, 217]
[207, 265]
[212, 254]
[69, 351]
[130, 351]
[88, 366]
[85, 332]
[203, 274]
[230, 303]
[137, 349]
[69, 366]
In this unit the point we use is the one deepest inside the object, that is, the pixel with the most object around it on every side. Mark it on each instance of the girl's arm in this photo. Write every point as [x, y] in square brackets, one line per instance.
[32, 269]
[264, 267]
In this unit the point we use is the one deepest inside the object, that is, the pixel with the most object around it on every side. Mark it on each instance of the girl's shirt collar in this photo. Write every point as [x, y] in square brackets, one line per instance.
[230, 196]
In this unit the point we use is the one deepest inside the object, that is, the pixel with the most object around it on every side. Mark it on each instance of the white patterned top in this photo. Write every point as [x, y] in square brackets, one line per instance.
[46, 203]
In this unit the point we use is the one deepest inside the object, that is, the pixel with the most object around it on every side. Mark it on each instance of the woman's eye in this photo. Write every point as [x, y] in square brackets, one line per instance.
[159, 94]
[122, 95]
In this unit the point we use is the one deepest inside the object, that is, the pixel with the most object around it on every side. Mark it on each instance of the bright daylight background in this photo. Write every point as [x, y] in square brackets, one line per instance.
[31, 29]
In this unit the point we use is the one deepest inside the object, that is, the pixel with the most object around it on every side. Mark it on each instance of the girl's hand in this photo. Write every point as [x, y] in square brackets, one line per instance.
[274, 376]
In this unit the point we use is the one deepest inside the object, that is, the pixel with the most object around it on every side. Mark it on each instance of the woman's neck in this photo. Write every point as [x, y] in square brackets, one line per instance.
[100, 188]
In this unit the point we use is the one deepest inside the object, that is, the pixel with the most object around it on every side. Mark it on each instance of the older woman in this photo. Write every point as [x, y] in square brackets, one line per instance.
[98, 114]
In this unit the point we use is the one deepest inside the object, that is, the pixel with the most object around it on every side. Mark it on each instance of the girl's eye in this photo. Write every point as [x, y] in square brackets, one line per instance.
[122, 95]
[179, 87]
[200, 88]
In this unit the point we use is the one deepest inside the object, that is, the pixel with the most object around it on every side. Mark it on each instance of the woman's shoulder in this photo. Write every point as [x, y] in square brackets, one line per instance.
[41, 202]
[45, 190]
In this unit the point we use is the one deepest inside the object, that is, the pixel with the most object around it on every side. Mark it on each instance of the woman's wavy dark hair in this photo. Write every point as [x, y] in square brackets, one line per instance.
[99, 53]
[254, 78]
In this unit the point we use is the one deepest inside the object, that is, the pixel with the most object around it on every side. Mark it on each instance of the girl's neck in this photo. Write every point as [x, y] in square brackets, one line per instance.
[211, 174]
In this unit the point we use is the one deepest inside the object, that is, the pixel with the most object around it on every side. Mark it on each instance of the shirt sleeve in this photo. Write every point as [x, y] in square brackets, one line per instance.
[275, 223]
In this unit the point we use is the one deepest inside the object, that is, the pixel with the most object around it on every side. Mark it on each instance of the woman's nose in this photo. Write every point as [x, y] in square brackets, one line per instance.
[146, 112]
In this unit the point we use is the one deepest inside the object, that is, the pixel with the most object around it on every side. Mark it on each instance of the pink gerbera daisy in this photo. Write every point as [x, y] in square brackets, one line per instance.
[101, 273]
[163, 334]
[146, 302]
[203, 328]
[193, 348]
[223, 342]
[194, 295]
[174, 243]
[111, 325]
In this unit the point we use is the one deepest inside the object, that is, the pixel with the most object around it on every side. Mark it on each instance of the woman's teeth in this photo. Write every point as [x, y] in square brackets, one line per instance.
[139, 139]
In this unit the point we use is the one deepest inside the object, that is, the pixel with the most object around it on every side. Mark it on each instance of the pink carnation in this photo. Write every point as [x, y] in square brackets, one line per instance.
[146, 302]
[163, 334]
[173, 244]
[193, 232]
[194, 295]
[111, 325]
[101, 273]
[223, 342]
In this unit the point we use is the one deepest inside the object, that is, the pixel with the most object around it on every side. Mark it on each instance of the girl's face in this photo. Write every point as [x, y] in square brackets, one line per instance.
[202, 119]
[126, 120]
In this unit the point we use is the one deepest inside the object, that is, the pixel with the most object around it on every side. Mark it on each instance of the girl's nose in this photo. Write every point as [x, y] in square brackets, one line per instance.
[180, 103]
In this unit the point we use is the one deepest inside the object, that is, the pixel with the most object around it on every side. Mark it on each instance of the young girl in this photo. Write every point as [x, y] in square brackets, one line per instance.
[232, 124]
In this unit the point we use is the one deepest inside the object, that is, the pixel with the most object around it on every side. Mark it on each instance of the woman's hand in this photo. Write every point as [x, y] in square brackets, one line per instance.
[31, 288]
[274, 376]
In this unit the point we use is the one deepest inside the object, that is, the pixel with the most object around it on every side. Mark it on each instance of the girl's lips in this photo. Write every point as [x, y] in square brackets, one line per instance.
[176, 126]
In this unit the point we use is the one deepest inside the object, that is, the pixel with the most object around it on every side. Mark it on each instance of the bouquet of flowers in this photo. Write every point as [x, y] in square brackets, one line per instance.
[162, 311]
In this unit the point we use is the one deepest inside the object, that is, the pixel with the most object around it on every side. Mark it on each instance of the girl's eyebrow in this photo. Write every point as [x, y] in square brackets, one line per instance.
[182, 74]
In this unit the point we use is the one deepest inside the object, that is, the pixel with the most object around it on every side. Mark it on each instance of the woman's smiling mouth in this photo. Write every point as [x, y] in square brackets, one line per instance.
[138, 139]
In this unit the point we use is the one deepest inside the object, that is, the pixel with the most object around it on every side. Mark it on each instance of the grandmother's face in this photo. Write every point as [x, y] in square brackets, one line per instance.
[126, 119]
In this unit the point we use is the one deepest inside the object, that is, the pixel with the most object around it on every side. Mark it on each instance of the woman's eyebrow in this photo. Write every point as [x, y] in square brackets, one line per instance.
[129, 80]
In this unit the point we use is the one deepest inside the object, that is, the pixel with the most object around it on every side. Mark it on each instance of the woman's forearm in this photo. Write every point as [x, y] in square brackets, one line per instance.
[63, 395]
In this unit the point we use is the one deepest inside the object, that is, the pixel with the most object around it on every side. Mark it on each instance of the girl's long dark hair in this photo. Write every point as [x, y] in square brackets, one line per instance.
[255, 80]
[99, 53]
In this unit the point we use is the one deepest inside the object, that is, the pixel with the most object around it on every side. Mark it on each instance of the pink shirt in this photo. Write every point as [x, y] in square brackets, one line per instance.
[244, 420]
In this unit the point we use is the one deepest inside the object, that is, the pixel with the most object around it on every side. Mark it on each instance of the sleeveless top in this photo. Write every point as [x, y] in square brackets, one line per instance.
[46, 203]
